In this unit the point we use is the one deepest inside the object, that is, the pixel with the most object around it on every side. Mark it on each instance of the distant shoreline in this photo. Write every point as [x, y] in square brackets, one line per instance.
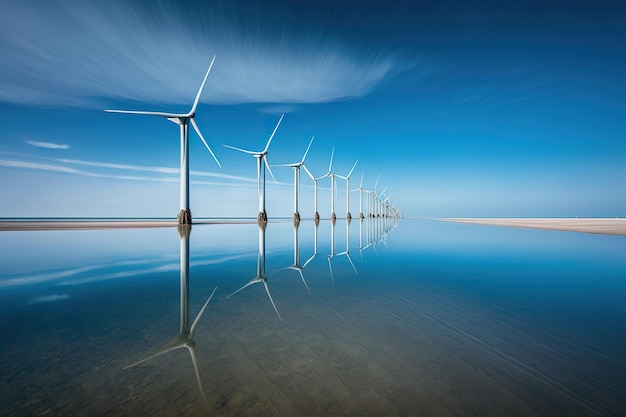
[605, 226]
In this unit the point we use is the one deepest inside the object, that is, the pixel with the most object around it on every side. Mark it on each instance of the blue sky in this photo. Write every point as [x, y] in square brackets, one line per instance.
[488, 109]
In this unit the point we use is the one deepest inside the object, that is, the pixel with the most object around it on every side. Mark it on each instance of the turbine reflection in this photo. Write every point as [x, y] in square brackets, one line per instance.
[260, 275]
[184, 339]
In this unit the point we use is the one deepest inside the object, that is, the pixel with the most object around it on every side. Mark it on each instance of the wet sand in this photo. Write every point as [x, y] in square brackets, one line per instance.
[605, 226]
[30, 225]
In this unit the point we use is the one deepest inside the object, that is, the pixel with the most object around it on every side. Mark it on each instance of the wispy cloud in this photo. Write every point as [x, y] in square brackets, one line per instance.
[61, 165]
[79, 53]
[47, 145]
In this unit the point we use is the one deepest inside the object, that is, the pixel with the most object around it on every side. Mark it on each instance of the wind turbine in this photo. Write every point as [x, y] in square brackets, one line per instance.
[361, 190]
[330, 174]
[373, 196]
[261, 155]
[184, 339]
[316, 215]
[182, 119]
[347, 178]
[296, 181]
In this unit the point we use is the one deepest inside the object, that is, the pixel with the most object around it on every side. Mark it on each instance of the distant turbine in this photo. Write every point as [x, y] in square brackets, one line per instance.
[347, 178]
[182, 119]
[361, 190]
[316, 215]
[261, 155]
[373, 195]
[296, 181]
[331, 174]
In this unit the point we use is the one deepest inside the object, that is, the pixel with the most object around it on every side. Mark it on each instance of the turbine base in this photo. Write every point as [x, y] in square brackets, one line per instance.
[184, 230]
[296, 217]
[333, 216]
[348, 216]
[262, 217]
[361, 216]
[316, 217]
[184, 216]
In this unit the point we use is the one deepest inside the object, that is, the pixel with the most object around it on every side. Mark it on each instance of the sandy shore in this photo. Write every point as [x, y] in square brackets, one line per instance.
[606, 226]
[19, 225]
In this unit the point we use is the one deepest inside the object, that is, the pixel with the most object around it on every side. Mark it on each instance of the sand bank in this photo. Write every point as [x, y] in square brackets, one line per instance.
[26, 225]
[606, 226]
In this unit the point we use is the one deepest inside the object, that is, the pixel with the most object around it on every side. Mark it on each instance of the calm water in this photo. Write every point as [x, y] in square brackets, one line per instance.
[374, 318]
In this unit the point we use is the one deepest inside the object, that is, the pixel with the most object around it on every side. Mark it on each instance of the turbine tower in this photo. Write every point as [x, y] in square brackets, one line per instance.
[182, 119]
[347, 178]
[330, 174]
[261, 157]
[296, 181]
[316, 215]
[361, 190]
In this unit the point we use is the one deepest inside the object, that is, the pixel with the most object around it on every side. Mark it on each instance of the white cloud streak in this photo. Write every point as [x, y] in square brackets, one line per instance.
[60, 165]
[84, 53]
[47, 145]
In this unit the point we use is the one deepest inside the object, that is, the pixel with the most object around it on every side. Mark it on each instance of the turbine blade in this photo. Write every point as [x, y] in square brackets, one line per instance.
[376, 184]
[352, 263]
[309, 260]
[330, 266]
[241, 150]
[148, 113]
[332, 154]
[252, 281]
[308, 172]
[192, 353]
[267, 164]
[267, 290]
[305, 284]
[195, 126]
[361, 185]
[195, 102]
[353, 166]
[195, 322]
[307, 150]
[159, 353]
[273, 133]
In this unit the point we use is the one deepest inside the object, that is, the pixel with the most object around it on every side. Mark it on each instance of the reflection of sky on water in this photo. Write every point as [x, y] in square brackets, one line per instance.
[517, 296]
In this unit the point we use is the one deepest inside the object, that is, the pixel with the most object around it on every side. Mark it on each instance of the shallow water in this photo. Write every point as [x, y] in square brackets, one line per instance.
[387, 318]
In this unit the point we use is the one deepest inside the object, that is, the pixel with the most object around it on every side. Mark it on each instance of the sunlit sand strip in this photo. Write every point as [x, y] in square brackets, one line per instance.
[19, 225]
[606, 226]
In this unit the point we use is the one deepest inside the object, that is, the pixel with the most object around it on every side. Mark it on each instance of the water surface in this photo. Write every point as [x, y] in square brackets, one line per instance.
[377, 317]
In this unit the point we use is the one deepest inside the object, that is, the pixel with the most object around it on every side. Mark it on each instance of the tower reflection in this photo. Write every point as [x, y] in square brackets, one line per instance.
[261, 276]
[184, 339]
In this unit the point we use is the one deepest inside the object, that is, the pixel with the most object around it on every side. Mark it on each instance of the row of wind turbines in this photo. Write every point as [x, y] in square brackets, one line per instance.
[378, 204]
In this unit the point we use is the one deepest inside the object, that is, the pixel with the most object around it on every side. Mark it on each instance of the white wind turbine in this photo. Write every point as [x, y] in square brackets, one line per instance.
[331, 174]
[316, 215]
[361, 190]
[296, 181]
[347, 178]
[261, 155]
[373, 197]
[182, 119]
